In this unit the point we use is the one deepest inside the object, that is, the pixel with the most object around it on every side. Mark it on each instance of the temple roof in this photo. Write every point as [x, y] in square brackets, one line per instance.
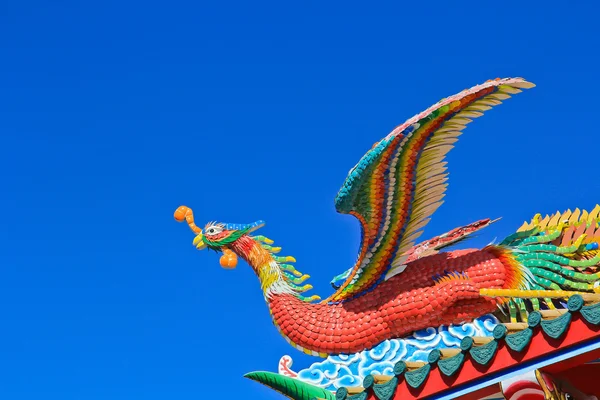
[549, 337]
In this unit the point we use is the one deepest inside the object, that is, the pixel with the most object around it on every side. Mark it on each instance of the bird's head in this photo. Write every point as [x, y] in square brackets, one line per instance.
[217, 236]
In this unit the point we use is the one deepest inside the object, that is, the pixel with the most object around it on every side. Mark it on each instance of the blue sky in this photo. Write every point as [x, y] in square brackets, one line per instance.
[115, 113]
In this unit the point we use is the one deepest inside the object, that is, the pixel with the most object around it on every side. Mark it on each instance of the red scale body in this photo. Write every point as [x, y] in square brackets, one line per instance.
[399, 306]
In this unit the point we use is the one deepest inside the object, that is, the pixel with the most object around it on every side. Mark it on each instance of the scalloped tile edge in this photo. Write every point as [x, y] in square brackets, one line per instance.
[482, 355]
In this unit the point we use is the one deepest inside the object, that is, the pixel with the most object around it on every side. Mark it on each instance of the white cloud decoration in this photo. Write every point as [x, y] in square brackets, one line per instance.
[350, 370]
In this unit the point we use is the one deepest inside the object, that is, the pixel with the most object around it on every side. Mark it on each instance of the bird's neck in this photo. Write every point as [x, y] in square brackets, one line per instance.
[268, 271]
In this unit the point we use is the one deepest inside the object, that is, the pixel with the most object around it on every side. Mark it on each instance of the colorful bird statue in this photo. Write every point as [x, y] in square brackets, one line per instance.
[396, 287]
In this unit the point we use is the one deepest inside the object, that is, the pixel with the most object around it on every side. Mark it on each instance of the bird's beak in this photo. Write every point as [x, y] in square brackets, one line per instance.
[199, 242]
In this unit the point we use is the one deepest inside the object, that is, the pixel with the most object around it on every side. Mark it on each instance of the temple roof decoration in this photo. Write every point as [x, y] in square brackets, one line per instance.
[544, 325]
[542, 282]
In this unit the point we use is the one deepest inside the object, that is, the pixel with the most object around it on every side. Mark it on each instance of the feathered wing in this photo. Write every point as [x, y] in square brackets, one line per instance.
[430, 246]
[401, 181]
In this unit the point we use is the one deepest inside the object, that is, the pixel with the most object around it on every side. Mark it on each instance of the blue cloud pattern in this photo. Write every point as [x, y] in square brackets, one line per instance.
[350, 370]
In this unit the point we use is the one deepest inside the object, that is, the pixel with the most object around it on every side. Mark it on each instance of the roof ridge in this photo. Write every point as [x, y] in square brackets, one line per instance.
[481, 350]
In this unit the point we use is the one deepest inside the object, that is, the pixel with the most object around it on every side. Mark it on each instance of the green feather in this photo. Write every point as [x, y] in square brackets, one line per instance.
[292, 388]
[235, 235]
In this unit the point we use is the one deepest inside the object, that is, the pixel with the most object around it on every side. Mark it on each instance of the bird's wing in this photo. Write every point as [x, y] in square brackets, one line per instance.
[395, 188]
[430, 246]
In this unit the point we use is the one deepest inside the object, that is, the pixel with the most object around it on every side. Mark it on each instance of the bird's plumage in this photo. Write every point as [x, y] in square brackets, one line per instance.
[395, 287]
[396, 187]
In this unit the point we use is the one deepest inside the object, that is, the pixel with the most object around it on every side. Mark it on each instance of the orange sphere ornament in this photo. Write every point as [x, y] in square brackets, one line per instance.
[228, 260]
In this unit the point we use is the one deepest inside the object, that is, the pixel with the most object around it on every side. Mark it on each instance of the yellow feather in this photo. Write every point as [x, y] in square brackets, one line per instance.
[584, 216]
[459, 120]
[555, 219]
[436, 180]
[455, 125]
[523, 84]
[594, 213]
[427, 209]
[524, 227]
[575, 216]
[425, 166]
[508, 89]
[440, 140]
[477, 106]
[544, 223]
[499, 96]
[421, 204]
[431, 173]
[488, 102]
[446, 129]
[418, 225]
[470, 113]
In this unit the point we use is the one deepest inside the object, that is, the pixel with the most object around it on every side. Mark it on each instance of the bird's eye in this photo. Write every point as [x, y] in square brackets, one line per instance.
[213, 230]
